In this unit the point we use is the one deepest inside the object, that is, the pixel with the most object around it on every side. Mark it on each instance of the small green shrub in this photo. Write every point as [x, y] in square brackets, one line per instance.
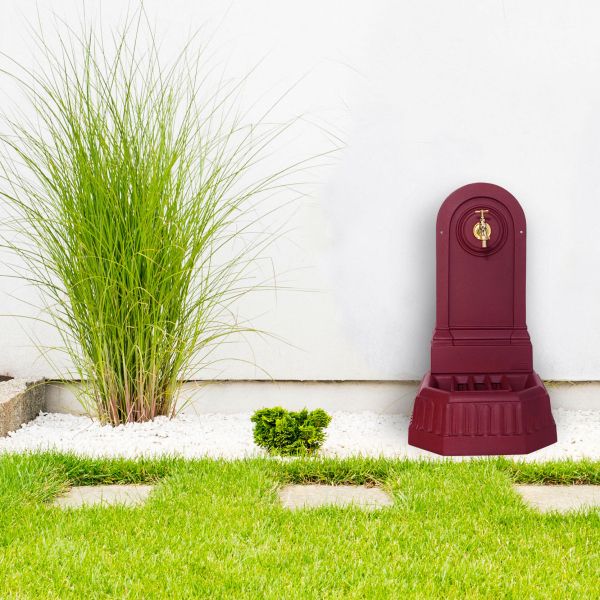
[288, 433]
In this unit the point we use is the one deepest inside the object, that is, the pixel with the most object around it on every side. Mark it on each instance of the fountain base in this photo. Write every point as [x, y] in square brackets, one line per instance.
[482, 414]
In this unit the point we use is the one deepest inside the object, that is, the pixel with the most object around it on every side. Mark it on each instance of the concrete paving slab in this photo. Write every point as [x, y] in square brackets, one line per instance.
[562, 498]
[107, 495]
[311, 496]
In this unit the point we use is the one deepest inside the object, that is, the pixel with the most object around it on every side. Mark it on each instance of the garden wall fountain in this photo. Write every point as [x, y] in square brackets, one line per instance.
[482, 395]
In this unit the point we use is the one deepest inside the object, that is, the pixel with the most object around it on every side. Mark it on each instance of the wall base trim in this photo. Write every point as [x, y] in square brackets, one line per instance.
[385, 397]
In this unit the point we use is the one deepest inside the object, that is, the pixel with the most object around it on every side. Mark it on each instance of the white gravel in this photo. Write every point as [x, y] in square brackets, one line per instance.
[230, 436]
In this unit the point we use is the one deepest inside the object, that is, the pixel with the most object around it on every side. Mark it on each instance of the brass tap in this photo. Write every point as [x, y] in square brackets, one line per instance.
[482, 230]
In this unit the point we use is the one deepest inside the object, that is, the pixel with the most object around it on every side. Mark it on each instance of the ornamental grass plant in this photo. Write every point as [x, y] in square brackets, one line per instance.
[134, 210]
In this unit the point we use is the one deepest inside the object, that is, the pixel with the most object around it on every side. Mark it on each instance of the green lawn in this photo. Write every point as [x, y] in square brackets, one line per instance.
[214, 529]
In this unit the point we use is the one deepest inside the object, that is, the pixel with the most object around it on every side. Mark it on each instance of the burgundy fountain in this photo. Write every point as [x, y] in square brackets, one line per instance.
[482, 395]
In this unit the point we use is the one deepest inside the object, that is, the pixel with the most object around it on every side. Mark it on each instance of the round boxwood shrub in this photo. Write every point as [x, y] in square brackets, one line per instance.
[289, 433]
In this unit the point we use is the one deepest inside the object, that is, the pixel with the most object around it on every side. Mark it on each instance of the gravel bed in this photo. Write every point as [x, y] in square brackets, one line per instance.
[230, 436]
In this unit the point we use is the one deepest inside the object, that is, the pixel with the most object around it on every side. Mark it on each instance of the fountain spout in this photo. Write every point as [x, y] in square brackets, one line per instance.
[482, 230]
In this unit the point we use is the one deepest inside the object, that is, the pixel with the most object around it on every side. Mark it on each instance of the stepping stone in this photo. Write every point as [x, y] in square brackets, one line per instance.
[311, 496]
[562, 498]
[106, 495]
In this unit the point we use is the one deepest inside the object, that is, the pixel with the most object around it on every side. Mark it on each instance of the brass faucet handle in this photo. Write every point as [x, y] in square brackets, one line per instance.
[482, 230]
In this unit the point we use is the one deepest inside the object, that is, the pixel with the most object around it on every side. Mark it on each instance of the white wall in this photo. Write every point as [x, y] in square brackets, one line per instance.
[427, 96]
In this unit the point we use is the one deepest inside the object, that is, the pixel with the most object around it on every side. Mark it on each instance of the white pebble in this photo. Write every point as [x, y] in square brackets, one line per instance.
[230, 436]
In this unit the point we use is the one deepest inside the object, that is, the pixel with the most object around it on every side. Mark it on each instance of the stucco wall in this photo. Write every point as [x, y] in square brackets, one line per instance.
[427, 96]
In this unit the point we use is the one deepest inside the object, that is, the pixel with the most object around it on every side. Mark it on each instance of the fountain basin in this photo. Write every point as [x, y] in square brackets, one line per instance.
[482, 414]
